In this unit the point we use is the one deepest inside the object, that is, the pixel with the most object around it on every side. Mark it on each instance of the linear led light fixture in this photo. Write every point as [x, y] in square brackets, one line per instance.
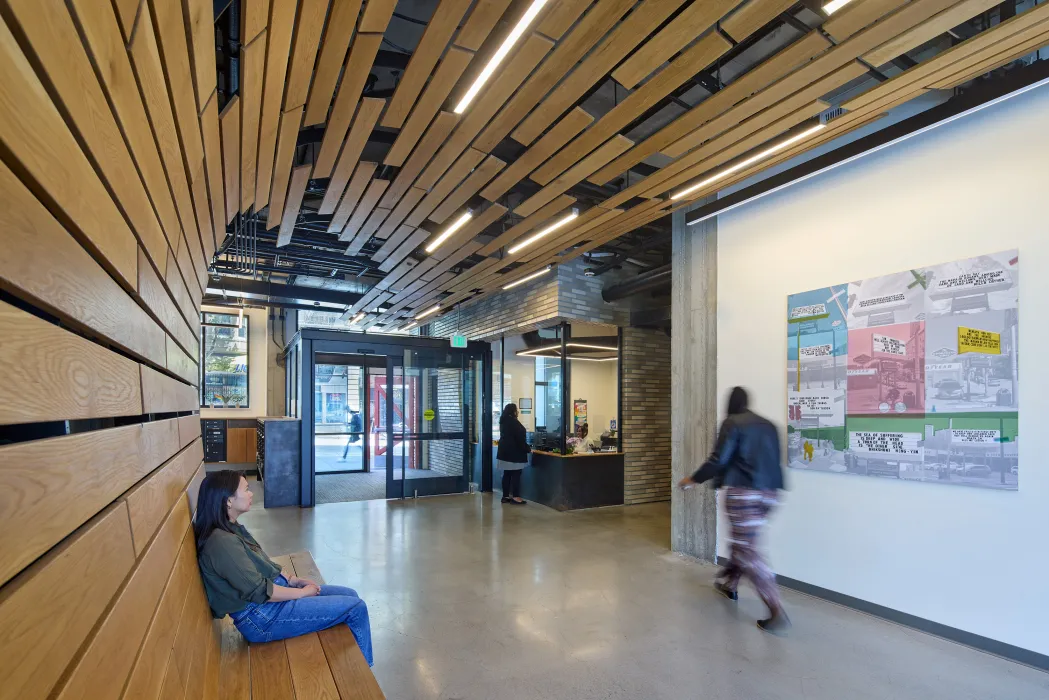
[747, 162]
[528, 278]
[545, 232]
[357, 319]
[410, 326]
[584, 359]
[557, 347]
[845, 161]
[458, 224]
[429, 311]
[834, 5]
[508, 43]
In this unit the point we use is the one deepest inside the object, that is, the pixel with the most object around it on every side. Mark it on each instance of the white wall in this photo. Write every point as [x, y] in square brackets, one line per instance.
[970, 558]
[595, 382]
[258, 397]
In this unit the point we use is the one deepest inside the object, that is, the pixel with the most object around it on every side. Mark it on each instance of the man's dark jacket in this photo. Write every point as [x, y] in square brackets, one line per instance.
[747, 455]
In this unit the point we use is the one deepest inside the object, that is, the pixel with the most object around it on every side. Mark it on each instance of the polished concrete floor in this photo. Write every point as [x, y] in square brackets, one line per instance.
[471, 599]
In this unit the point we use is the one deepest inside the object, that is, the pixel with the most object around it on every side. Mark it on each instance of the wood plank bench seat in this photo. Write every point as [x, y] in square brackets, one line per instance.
[317, 666]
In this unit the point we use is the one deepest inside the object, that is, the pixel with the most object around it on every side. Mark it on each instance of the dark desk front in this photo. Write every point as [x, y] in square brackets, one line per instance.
[571, 482]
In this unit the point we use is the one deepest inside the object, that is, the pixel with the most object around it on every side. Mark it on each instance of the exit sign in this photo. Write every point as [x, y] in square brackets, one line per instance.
[458, 341]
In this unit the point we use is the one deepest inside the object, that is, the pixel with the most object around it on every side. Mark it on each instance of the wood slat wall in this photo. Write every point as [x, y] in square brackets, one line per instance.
[111, 191]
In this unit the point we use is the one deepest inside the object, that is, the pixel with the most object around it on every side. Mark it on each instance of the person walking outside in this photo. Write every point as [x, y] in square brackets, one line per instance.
[746, 463]
[512, 454]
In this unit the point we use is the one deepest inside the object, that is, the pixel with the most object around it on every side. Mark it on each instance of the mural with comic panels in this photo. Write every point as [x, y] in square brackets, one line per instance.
[912, 376]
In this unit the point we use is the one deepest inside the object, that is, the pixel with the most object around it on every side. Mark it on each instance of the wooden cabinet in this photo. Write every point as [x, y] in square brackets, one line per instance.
[240, 445]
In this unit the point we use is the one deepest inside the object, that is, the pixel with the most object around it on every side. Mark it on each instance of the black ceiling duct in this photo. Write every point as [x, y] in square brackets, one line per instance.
[646, 281]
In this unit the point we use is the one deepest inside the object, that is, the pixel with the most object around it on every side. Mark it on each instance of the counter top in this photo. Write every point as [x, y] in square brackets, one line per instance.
[577, 454]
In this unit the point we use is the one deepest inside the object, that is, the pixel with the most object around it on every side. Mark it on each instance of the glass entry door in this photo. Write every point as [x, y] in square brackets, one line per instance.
[430, 401]
[342, 442]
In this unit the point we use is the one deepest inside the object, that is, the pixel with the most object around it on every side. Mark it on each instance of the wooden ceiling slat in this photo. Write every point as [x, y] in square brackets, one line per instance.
[620, 41]
[364, 208]
[560, 16]
[544, 213]
[577, 173]
[470, 231]
[200, 18]
[752, 16]
[435, 38]
[287, 139]
[341, 22]
[300, 177]
[858, 15]
[396, 271]
[208, 233]
[993, 63]
[779, 94]
[451, 179]
[127, 13]
[588, 221]
[564, 130]
[452, 67]
[479, 24]
[174, 53]
[308, 27]
[77, 90]
[253, 17]
[594, 25]
[680, 70]
[367, 114]
[278, 51]
[534, 49]
[377, 15]
[679, 33]
[412, 197]
[468, 188]
[929, 29]
[407, 281]
[358, 65]
[435, 135]
[229, 127]
[371, 225]
[252, 65]
[466, 281]
[362, 176]
[406, 235]
[149, 74]
[772, 69]
[209, 129]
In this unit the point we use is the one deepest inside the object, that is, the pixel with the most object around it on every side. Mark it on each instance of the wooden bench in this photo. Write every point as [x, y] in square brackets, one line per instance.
[318, 666]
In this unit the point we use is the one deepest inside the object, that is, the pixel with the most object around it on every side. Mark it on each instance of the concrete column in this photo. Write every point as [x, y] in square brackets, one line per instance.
[693, 395]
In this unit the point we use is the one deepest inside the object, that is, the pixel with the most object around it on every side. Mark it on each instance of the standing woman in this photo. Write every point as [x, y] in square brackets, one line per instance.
[512, 454]
[242, 582]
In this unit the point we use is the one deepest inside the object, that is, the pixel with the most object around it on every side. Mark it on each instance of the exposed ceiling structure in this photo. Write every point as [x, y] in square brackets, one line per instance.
[357, 153]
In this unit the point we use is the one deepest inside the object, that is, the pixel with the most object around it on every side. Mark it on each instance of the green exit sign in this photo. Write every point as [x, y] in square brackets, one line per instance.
[458, 341]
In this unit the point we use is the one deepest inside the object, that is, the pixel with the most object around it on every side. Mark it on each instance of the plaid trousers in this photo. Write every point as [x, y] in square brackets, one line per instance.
[748, 511]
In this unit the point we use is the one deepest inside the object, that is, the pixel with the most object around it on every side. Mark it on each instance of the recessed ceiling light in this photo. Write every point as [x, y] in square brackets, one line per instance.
[545, 232]
[500, 54]
[459, 223]
[429, 311]
[747, 162]
[529, 277]
[835, 5]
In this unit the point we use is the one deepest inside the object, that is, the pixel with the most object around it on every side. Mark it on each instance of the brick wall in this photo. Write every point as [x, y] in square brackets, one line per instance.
[446, 456]
[646, 415]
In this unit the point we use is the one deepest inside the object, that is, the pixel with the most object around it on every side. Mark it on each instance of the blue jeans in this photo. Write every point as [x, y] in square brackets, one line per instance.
[269, 622]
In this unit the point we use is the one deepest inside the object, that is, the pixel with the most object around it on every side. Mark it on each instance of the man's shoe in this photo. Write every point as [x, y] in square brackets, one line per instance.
[507, 499]
[777, 624]
[519, 503]
[726, 591]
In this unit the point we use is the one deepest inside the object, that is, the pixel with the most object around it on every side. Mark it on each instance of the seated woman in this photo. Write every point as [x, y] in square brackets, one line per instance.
[242, 582]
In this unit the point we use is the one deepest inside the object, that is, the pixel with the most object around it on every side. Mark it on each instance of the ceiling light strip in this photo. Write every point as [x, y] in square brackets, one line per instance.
[501, 53]
[747, 162]
[459, 223]
[528, 278]
[545, 232]
[424, 314]
[835, 5]
[887, 144]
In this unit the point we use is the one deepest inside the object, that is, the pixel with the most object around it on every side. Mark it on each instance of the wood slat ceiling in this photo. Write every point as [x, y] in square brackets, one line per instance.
[610, 107]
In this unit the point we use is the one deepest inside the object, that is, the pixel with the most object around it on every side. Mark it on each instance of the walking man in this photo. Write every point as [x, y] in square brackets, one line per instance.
[746, 463]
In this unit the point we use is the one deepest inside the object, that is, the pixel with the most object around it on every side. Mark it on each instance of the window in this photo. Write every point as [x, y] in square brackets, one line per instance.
[224, 360]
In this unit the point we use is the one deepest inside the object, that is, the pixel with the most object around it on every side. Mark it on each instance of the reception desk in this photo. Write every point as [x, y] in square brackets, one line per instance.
[570, 482]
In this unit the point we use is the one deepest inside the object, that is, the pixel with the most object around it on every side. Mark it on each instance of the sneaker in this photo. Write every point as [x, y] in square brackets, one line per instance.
[726, 591]
[777, 624]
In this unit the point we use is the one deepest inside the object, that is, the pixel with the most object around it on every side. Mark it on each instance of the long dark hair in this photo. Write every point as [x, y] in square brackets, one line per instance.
[509, 414]
[211, 504]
